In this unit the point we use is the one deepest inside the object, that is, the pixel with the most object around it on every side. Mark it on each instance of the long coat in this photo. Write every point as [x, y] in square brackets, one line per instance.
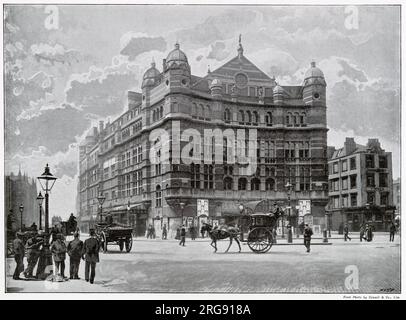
[58, 249]
[75, 248]
[91, 250]
[18, 247]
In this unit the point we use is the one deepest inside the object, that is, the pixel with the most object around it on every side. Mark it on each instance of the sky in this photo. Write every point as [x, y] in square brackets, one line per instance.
[67, 67]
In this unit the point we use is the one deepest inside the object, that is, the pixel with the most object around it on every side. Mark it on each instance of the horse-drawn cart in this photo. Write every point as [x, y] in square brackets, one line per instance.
[260, 231]
[113, 233]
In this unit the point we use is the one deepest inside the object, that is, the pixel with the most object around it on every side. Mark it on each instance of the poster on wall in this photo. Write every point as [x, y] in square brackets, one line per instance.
[304, 207]
[202, 207]
[308, 220]
[189, 221]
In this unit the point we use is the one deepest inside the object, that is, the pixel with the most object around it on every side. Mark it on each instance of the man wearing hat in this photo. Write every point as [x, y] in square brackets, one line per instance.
[58, 249]
[33, 250]
[19, 251]
[90, 254]
[75, 248]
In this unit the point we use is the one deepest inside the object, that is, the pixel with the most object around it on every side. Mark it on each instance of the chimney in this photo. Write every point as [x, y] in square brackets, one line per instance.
[164, 65]
[101, 126]
[349, 146]
[373, 143]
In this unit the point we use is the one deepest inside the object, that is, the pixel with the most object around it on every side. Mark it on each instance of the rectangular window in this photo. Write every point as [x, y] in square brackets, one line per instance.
[353, 181]
[344, 165]
[252, 91]
[370, 161]
[384, 199]
[371, 198]
[345, 201]
[335, 167]
[370, 180]
[353, 199]
[383, 180]
[336, 202]
[383, 162]
[353, 164]
[345, 184]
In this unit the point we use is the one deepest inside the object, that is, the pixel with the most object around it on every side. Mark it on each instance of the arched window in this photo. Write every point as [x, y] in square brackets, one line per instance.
[200, 111]
[255, 184]
[268, 119]
[270, 184]
[228, 183]
[211, 177]
[256, 117]
[227, 115]
[154, 116]
[161, 112]
[296, 119]
[303, 119]
[194, 110]
[241, 117]
[249, 117]
[288, 119]
[158, 196]
[207, 112]
[267, 172]
[242, 184]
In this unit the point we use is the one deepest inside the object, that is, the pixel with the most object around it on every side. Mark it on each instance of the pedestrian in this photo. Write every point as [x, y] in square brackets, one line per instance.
[361, 232]
[192, 232]
[19, 252]
[202, 231]
[346, 231]
[307, 236]
[153, 232]
[149, 232]
[392, 231]
[75, 248]
[177, 236]
[369, 233]
[58, 249]
[33, 245]
[90, 254]
[182, 235]
[164, 232]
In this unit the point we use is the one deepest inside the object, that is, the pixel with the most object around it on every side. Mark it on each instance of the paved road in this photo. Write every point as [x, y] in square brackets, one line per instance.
[164, 266]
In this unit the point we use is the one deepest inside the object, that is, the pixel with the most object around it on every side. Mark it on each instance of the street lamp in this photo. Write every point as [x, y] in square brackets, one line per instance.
[40, 199]
[288, 188]
[21, 207]
[101, 199]
[182, 207]
[47, 181]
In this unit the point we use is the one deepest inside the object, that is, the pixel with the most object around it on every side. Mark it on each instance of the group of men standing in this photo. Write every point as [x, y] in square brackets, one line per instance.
[76, 249]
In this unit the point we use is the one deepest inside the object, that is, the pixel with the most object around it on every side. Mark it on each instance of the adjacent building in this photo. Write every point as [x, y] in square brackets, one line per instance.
[153, 168]
[20, 190]
[396, 198]
[360, 186]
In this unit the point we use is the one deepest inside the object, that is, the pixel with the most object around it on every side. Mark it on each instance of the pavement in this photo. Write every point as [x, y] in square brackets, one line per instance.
[162, 266]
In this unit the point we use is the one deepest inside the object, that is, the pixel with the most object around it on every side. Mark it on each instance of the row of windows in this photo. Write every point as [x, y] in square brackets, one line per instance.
[157, 113]
[335, 166]
[200, 111]
[347, 182]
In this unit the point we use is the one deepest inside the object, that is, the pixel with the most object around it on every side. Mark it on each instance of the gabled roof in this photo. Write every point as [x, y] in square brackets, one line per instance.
[230, 68]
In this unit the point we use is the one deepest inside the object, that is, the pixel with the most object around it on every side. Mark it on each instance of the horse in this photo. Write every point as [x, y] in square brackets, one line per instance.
[221, 233]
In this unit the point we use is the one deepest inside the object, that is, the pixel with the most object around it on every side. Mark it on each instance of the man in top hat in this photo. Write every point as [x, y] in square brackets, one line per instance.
[90, 254]
[19, 251]
[75, 248]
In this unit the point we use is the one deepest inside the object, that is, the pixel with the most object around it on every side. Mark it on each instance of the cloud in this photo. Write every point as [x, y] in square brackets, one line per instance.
[46, 53]
[218, 51]
[134, 44]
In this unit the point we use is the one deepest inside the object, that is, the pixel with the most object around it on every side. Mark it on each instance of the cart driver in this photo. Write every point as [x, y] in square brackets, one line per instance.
[109, 218]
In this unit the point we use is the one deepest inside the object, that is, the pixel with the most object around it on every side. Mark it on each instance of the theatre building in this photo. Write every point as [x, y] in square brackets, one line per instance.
[360, 183]
[149, 180]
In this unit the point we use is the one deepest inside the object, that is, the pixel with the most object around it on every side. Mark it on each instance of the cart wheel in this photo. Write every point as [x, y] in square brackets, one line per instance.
[121, 244]
[104, 242]
[260, 240]
[128, 243]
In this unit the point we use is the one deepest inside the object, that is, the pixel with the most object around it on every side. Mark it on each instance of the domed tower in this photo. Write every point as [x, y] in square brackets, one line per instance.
[177, 69]
[216, 88]
[151, 78]
[278, 95]
[314, 86]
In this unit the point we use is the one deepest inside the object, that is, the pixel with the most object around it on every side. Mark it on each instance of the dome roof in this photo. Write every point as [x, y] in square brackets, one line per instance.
[216, 83]
[278, 89]
[176, 57]
[151, 76]
[313, 72]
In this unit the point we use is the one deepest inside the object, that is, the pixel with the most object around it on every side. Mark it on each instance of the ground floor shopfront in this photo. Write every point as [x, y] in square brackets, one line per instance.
[380, 218]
